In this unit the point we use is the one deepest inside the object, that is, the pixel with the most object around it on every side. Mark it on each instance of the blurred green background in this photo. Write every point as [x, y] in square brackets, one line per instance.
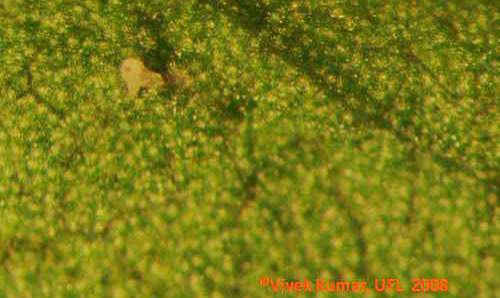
[304, 139]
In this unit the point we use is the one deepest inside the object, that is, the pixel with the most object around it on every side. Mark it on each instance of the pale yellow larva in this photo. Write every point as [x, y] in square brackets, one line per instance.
[136, 75]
